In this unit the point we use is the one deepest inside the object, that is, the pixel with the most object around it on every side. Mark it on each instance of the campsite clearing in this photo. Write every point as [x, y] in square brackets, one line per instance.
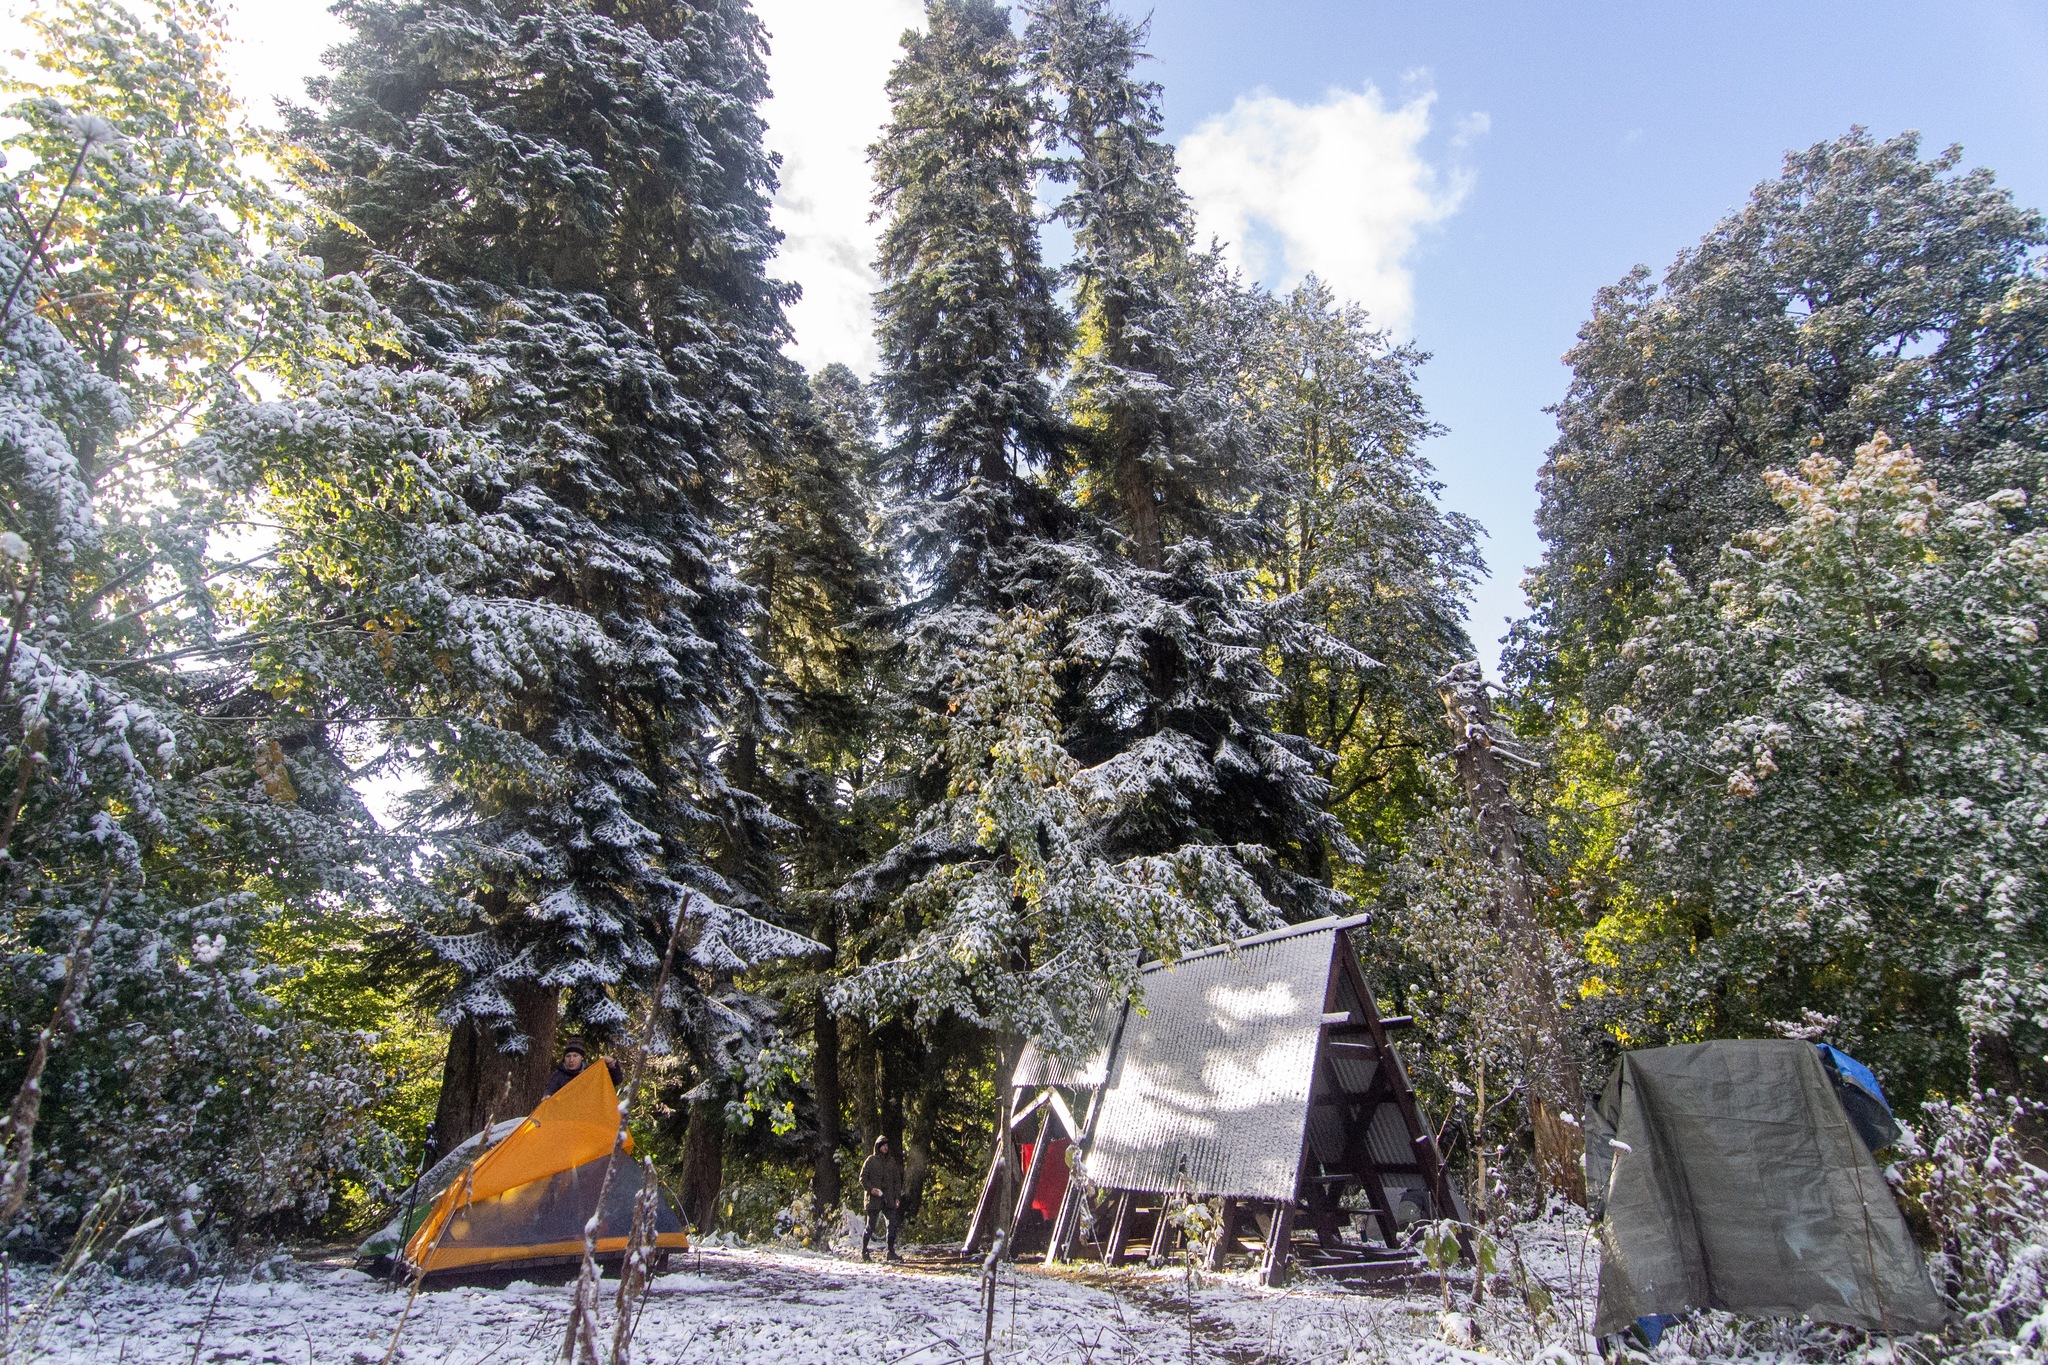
[771, 1307]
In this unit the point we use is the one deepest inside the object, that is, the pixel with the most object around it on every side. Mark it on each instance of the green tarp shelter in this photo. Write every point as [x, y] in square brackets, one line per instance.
[1727, 1175]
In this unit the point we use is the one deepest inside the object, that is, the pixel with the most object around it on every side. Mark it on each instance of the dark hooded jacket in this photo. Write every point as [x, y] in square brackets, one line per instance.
[882, 1171]
[563, 1076]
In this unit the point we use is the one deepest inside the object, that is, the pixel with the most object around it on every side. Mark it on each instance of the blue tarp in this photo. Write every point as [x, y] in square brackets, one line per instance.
[1853, 1070]
[1862, 1097]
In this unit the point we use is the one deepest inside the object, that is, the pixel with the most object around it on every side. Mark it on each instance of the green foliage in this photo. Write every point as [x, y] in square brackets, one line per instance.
[1373, 575]
[1839, 749]
[1019, 921]
[157, 290]
[1865, 289]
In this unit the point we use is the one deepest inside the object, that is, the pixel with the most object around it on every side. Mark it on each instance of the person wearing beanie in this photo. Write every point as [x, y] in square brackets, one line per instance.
[575, 1056]
[881, 1175]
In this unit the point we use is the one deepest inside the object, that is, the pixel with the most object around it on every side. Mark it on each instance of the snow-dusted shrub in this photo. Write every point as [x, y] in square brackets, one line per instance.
[194, 1091]
[1839, 754]
[1969, 1176]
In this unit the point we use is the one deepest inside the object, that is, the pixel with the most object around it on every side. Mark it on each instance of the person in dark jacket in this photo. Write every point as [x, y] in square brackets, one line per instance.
[575, 1053]
[881, 1175]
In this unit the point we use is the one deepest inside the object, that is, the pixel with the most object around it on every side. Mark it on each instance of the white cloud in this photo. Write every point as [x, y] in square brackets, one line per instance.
[827, 63]
[1340, 188]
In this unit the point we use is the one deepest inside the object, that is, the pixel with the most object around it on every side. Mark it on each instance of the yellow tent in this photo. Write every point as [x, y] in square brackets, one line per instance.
[527, 1200]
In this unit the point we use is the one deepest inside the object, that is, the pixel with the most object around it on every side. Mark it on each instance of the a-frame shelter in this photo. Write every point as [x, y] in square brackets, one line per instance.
[1257, 1072]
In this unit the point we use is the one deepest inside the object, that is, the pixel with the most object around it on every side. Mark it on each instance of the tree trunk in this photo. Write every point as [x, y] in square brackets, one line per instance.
[894, 1083]
[1483, 750]
[484, 1082]
[867, 1111]
[917, 1142]
[703, 1162]
[1141, 512]
[825, 1192]
[1995, 1064]
[1011, 1174]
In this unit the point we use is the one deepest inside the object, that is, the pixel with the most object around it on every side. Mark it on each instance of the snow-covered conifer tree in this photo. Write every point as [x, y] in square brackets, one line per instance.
[966, 320]
[1171, 691]
[564, 206]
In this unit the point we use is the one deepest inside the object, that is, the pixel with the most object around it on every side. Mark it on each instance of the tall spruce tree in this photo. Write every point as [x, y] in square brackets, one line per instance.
[1094, 779]
[1169, 712]
[967, 323]
[801, 539]
[969, 332]
[564, 206]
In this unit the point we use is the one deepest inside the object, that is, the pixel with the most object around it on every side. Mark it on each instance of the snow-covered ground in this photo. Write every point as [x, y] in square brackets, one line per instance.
[775, 1307]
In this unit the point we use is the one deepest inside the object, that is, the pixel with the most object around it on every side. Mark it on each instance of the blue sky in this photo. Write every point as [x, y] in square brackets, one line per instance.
[1614, 134]
[1473, 172]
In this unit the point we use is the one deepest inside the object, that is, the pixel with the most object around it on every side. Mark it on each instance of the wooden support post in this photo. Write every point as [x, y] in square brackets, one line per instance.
[1119, 1230]
[1382, 1207]
[1030, 1178]
[1226, 1236]
[983, 1210]
[1273, 1269]
[1162, 1231]
[1064, 1223]
[1324, 1215]
[1421, 1141]
[1073, 1204]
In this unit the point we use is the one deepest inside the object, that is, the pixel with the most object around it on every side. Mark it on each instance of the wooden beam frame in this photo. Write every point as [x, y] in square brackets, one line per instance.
[982, 1212]
[1119, 1230]
[1422, 1141]
[1162, 1232]
[1279, 1242]
[1226, 1237]
[1353, 1030]
[1038, 1146]
[1067, 1221]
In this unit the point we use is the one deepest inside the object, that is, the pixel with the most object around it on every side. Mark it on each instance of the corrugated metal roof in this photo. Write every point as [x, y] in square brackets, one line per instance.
[1210, 1086]
[1037, 1069]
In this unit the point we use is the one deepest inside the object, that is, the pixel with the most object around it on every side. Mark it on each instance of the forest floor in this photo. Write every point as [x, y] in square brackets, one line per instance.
[759, 1306]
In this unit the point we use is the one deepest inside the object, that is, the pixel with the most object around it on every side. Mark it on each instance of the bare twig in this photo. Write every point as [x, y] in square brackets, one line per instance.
[28, 1099]
[420, 1270]
[635, 1268]
[200, 1341]
[99, 1220]
[85, 146]
[582, 1326]
[998, 1248]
